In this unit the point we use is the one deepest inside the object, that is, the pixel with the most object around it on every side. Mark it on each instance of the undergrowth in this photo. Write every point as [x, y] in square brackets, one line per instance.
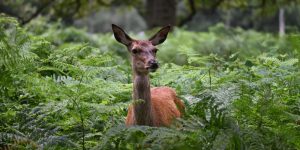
[64, 88]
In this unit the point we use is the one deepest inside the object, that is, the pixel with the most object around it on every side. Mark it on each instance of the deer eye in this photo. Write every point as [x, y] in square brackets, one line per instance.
[135, 51]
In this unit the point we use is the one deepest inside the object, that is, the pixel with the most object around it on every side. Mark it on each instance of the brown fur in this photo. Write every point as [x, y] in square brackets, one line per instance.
[165, 107]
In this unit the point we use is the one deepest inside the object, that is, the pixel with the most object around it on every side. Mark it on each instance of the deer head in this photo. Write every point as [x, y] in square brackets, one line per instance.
[143, 52]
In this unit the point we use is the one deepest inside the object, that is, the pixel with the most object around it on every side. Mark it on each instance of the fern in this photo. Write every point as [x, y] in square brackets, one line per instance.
[63, 88]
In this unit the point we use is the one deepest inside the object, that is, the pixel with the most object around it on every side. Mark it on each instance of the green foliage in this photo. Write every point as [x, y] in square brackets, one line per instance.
[63, 88]
[226, 43]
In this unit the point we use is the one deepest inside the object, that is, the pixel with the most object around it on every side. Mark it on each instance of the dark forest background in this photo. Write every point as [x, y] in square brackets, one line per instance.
[137, 15]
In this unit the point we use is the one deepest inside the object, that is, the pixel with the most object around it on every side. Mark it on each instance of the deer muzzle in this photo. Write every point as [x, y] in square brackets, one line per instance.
[152, 65]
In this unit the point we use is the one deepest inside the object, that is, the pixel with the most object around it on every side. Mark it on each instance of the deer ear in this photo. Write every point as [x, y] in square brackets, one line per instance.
[120, 35]
[160, 36]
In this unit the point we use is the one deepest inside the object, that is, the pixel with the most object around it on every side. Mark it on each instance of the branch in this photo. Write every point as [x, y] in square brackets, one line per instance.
[39, 10]
[8, 11]
[191, 15]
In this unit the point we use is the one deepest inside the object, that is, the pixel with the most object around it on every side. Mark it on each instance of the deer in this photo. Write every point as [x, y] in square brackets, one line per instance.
[160, 106]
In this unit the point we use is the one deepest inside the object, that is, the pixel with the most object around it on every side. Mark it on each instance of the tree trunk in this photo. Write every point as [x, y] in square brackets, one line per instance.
[160, 13]
[281, 22]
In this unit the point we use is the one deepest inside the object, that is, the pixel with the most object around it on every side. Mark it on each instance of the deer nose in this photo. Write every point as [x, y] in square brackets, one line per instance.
[153, 64]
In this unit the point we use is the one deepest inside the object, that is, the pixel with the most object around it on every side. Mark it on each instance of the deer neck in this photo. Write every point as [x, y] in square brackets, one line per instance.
[141, 91]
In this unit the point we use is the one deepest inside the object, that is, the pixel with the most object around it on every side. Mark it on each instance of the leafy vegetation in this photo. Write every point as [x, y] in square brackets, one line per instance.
[64, 88]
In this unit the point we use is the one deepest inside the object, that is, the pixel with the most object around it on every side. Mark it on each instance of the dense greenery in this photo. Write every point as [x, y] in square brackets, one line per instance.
[63, 88]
